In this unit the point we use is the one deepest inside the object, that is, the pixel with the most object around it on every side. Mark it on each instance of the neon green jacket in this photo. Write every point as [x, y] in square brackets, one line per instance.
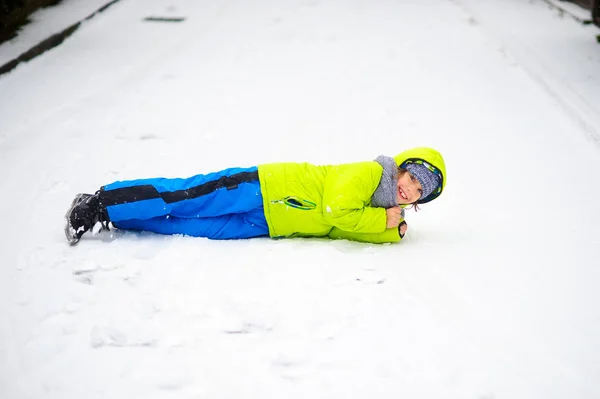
[305, 200]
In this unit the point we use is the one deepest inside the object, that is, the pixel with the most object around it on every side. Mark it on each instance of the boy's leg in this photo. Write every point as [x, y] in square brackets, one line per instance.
[231, 191]
[243, 225]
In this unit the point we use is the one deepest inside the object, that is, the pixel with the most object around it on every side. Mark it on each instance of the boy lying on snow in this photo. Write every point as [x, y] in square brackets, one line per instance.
[360, 201]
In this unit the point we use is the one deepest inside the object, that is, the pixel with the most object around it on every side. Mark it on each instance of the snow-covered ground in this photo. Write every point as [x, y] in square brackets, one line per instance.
[493, 293]
[45, 22]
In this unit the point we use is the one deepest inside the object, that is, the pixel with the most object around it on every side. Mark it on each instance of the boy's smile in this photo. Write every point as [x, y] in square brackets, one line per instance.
[409, 188]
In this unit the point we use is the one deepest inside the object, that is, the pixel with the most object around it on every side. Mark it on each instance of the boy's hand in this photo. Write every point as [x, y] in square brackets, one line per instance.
[403, 227]
[393, 216]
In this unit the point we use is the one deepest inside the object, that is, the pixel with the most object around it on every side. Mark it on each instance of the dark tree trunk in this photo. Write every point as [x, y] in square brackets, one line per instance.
[595, 5]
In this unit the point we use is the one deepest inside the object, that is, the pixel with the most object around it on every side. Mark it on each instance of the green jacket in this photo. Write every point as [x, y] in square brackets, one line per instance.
[305, 200]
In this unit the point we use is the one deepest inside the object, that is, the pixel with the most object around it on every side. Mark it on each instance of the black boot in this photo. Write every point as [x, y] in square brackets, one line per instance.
[85, 211]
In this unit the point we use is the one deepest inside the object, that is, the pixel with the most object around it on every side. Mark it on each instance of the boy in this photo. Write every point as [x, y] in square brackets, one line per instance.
[358, 201]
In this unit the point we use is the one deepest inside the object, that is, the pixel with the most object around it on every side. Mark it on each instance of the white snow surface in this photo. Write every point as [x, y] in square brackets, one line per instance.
[46, 22]
[493, 293]
[572, 9]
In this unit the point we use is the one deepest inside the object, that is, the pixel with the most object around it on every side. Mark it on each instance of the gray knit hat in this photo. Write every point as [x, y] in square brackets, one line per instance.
[429, 180]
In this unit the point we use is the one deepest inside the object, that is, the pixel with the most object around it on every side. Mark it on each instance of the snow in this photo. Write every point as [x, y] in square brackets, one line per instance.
[45, 22]
[493, 292]
[578, 12]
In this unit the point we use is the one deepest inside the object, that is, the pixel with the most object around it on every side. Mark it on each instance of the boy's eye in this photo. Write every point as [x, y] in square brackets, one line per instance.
[412, 178]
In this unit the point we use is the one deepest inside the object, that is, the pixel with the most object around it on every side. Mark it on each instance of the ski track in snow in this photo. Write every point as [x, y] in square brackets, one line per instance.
[577, 94]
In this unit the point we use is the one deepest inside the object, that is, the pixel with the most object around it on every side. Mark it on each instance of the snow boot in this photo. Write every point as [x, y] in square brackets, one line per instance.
[84, 213]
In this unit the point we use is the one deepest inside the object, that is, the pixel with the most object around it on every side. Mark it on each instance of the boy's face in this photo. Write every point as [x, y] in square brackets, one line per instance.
[409, 188]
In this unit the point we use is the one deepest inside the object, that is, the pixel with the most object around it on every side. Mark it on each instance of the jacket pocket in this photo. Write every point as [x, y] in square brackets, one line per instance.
[296, 202]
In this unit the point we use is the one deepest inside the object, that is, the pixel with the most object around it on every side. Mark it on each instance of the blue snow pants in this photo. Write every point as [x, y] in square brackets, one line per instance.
[221, 205]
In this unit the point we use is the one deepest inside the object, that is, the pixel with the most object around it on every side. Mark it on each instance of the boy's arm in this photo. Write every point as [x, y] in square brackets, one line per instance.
[388, 236]
[346, 195]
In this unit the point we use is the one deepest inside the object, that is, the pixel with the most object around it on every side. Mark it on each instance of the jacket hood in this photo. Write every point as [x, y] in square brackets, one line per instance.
[430, 156]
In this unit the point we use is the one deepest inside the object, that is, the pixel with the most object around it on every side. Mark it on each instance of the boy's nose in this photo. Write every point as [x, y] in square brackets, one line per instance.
[413, 189]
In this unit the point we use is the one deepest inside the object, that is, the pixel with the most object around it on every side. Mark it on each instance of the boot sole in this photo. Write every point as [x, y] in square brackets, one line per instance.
[70, 232]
